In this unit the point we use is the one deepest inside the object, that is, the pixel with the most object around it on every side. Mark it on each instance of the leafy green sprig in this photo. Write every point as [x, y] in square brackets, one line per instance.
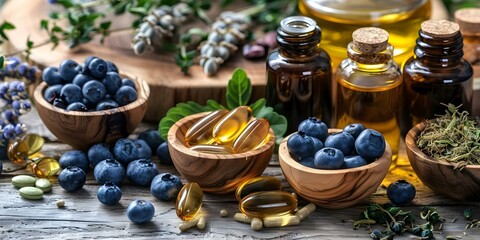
[239, 91]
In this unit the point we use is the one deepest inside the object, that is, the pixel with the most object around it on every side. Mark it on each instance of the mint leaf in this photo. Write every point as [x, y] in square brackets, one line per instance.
[176, 113]
[214, 105]
[239, 89]
[278, 122]
[258, 105]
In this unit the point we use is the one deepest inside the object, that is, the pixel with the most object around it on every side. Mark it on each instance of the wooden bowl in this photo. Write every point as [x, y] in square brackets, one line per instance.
[83, 129]
[334, 189]
[440, 176]
[216, 173]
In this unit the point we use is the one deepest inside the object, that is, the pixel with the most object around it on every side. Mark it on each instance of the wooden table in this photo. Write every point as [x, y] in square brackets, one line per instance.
[85, 217]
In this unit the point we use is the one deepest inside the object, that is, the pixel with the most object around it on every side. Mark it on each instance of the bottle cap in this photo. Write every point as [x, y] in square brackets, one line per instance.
[370, 39]
[298, 25]
[468, 19]
[439, 28]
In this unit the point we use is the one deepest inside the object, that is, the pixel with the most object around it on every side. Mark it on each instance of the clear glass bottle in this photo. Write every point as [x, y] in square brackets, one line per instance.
[436, 75]
[299, 73]
[339, 18]
[369, 86]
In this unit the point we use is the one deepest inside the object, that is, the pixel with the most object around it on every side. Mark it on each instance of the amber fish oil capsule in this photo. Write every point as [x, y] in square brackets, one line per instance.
[45, 167]
[257, 184]
[201, 131]
[253, 136]
[214, 149]
[189, 201]
[34, 143]
[268, 203]
[17, 151]
[232, 124]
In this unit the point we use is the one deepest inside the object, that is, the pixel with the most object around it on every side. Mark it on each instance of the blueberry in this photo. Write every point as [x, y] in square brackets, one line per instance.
[314, 127]
[140, 211]
[152, 137]
[401, 192]
[426, 234]
[98, 153]
[328, 158]
[71, 93]
[111, 67]
[141, 172]
[165, 186]
[300, 145]
[144, 150]
[125, 151]
[1, 166]
[307, 161]
[52, 92]
[370, 144]
[109, 193]
[354, 161]
[81, 79]
[109, 170]
[376, 234]
[97, 68]
[128, 82]
[77, 106]
[397, 227]
[317, 144]
[72, 178]
[51, 76]
[112, 82]
[94, 91]
[354, 129]
[74, 158]
[58, 102]
[163, 154]
[68, 70]
[342, 141]
[88, 60]
[125, 95]
[106, 104]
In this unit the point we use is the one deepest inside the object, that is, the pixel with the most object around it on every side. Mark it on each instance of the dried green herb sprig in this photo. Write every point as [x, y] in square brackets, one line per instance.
[453, 138]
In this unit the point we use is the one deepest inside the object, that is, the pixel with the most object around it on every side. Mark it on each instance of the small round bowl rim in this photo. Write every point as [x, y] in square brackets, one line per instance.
[139, 83]
[419, 154]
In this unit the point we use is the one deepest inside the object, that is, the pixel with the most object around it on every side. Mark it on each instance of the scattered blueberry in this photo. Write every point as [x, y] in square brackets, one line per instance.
[300, 145]
[307, 161]
[165, 186]
[81, 79]
[109, 170]
[376, 234]
[163, 154]
[144, 150]
[354, 129]
[314, 127]
[109, 193]
[141, 172]
[140, 211]
[125, 151]
[71, 93]
[401, 192]
[125, 95]
[328, 158]
[52, 92]
[370, 144]
[51, 76]
[72, 178]
[68, 70]
[94, 91]
[152, 137]
[112, 82]
[98, 153]
[97, 68]
[106, 104]
[77, 106]
[342, 141]
[74, 158]
[354, 161]
[397, 227]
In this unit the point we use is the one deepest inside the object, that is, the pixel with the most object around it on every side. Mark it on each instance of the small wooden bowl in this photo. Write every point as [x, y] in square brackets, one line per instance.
[215, 173]
[440, 176]
[334, 189]
[83, 129]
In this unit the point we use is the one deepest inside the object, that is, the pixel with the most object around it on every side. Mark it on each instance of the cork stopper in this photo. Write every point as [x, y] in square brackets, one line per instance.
[370, 39]
[468, 19]
[439, 28]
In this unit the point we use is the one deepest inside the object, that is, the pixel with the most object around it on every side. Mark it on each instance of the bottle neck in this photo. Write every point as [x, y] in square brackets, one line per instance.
[298, 44]
[439, 51]
[370, 62]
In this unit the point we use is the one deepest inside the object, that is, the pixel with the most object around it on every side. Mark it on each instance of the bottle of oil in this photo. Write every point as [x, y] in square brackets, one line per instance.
[437, 74]
[299, 73]
[339, 18]
[369, 86]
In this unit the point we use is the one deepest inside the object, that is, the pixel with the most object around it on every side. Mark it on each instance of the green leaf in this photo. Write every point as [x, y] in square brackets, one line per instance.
[54, 15]
[239, 89]
[176, 113]
[256, 106]
[66, 3]
[214, 105]
[278, 123]
[105, 25]
[7, 26]
[44, 24]
[2, 61]
[138, 10]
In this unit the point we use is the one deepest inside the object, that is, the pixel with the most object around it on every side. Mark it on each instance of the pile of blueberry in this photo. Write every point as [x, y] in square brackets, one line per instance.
[94, 85]
[355, 146]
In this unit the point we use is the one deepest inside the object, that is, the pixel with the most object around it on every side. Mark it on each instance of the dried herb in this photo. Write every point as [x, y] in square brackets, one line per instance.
[453, 138]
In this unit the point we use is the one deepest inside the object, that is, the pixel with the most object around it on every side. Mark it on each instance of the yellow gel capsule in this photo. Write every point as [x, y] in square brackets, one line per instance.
[253, 136]
[45, 167]
[232, 124]
[17, 151]
[189, 201]
[215, 149]
[268, 203]
[257, 184]
[34, 143]
[201, 131]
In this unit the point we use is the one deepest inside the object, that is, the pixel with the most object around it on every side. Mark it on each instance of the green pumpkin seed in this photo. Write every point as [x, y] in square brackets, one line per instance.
[23, 181]
[44, 184]
[31, 193]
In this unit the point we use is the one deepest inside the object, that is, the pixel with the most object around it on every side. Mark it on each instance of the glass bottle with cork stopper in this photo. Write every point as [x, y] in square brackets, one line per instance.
[469, 21]
[299, 73]
[369, 85]
[436, 75]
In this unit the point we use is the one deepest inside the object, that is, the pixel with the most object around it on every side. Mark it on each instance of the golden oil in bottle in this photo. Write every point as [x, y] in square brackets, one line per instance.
[339, 18]
[369, 86]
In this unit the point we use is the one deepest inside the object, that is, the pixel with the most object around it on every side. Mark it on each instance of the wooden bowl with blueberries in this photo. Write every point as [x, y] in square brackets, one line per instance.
[217, 173]
[320, 164]
[88, 103]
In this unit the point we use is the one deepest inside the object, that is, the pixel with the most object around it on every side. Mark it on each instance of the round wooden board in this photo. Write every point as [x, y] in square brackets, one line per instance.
[168, 85]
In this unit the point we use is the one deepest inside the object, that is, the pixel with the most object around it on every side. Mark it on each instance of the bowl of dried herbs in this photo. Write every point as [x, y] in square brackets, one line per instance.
[445, 154]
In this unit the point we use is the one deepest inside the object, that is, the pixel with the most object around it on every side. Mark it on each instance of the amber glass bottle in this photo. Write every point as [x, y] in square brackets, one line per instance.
[437, 74]
[299, 73]
[369, 86]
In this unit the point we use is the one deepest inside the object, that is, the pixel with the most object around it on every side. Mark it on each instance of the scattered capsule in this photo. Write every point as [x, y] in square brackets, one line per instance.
[253, 136]
[281, 221]
[256, 224]
[34, 143]
[232, 124]
[241, 217]
[188, 224]
[201, 223]
[214, 149]
[45, 167]
[201, 131]
[305, 211]
[257, 184]
[262, 204]
[223, 213]
[189, 201]
[17, 151]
